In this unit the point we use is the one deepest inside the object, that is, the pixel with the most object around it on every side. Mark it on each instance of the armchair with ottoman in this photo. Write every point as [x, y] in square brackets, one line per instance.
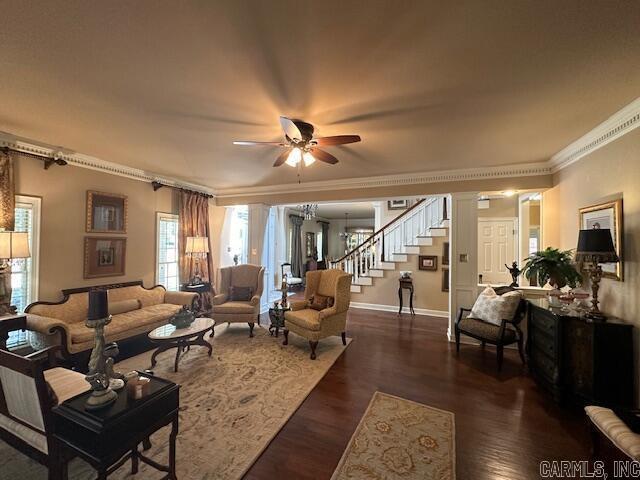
[239, 298]
[135, 311]
[323, 312]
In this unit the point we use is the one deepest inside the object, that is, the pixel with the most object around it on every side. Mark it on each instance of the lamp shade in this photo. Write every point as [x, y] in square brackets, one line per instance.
[596, 245]
[14, 245]
[197, 245]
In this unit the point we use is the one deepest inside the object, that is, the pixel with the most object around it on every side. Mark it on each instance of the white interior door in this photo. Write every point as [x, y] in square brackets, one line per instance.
[496, 247]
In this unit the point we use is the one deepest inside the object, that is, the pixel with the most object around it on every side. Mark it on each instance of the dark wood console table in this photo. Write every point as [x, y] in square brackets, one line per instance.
[581, 361]
[10, 323]
[406, 284]
[107, 438]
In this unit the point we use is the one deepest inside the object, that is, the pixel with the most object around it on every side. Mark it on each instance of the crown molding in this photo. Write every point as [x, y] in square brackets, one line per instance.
[523, 170]
[92, 163]
[617, 125]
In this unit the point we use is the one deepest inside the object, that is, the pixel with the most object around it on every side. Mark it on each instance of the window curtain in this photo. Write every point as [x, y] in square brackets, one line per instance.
[296, 245]
[325, 241]
[281, 231]
[194, 222]
[7, 192]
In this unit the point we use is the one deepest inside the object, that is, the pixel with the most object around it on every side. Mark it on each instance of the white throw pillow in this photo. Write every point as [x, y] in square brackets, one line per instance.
[493, 308]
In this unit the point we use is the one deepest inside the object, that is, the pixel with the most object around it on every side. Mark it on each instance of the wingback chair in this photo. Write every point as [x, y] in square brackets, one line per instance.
[227, 307]
[28, 391]
[314, 323]
[507, 333]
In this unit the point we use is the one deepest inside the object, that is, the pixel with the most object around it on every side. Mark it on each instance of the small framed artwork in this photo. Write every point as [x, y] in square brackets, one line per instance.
[606, 215]
[445, 253]
[310, 244]
[397, 204]
[445, 279]
[106, 212]
[104, 256]
[428, 262]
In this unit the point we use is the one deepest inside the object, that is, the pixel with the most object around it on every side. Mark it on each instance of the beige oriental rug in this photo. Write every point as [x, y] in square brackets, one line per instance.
[232, 404]
[400, 439]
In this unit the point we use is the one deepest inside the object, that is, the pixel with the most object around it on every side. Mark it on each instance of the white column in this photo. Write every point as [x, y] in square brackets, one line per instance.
[258, 214]
[377, 213]
[463, 250]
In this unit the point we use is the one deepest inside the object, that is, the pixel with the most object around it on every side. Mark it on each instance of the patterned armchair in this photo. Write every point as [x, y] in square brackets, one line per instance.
[507, 333]
[28, 391]
[227, 307]
[315, 324]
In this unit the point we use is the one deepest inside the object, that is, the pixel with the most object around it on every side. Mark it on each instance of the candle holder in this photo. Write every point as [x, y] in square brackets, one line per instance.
[98, 377]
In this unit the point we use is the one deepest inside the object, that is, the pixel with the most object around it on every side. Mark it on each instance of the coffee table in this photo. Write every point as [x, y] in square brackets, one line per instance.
[168, 336]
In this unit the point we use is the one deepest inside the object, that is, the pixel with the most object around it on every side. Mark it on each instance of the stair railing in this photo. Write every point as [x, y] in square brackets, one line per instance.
[391, 239]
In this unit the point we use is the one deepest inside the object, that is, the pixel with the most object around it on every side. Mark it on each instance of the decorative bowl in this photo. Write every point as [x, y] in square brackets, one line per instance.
[183, 319]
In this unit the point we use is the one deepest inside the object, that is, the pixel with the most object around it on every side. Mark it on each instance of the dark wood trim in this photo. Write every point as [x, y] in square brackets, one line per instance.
[156, 185]
[408, 210]
[48, 160]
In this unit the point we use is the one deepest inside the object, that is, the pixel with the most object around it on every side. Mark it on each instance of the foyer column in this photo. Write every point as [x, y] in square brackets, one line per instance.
[463, 254]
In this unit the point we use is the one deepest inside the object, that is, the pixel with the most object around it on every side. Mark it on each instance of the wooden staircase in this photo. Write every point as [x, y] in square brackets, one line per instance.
[396, 242]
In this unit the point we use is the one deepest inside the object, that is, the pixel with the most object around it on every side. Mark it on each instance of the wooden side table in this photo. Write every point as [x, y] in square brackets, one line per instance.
[107, 438]
[202, 303]
[406, 284]
[11, 323]
[276, 317]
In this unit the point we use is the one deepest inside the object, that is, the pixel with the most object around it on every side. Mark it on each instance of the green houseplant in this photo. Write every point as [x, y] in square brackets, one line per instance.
[554, 266]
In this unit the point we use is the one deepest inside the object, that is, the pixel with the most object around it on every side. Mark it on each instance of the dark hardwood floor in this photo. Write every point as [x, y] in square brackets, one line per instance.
[505, 425]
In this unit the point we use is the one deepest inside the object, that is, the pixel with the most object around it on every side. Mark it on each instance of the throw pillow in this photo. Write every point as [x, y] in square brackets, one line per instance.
[493, 308]
[320, 302]
[123, 306]
[240, 294]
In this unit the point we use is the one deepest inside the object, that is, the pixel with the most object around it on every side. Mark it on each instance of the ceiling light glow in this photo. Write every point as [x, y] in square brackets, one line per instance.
[294, 158]
[509, 193]
[308, 159]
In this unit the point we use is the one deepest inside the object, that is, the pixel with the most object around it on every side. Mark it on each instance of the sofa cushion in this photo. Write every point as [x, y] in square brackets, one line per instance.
[320, 302]
[125, 321]
[240, 294]
[153, 296]
[494, 308]
[65, 383]
[615, 430]
[485, 330]
[307, 318]
[124, 306]
[234, 307]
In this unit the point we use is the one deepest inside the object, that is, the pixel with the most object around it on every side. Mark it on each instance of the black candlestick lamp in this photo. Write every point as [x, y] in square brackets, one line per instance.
[595, 246]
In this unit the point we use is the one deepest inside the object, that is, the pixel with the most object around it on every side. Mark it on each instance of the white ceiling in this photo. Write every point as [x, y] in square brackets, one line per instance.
[167, 86]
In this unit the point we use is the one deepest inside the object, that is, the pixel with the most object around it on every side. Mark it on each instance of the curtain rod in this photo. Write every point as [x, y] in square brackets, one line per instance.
[48, 160]
[158, 185]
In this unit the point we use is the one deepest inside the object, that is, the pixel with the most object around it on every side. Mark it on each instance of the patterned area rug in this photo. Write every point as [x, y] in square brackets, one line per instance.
[232, 405]
[400, 439]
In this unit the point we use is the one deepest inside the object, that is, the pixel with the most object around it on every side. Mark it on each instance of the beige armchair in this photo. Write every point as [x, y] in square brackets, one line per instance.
[225, 309]
[313, 324]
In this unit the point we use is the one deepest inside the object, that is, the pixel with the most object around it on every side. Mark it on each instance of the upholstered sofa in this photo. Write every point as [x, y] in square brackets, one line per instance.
[135, 310]
[313, 324]
[226, 309]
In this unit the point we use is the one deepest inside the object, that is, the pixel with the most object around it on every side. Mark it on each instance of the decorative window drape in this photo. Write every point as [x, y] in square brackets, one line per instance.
[194, 222]
[325, 241]
[7, 192]
[296, 245]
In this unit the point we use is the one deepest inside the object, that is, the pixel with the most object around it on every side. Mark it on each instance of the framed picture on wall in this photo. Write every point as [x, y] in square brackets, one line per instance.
[445, 253]
[104, 256]
[428, 262]
[310, 244]
[445, 279]
[397, 204]
[106, 212]
[606, 215]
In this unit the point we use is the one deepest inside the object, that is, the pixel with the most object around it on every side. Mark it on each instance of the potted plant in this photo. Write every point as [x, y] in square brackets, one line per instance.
[554, 266]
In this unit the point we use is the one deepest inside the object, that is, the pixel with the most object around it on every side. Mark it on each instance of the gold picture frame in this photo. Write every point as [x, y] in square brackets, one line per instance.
[606, 215]
[104, 256]
[106, 212]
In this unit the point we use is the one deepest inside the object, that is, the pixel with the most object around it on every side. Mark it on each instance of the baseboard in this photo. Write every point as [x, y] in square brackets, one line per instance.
[394, 308]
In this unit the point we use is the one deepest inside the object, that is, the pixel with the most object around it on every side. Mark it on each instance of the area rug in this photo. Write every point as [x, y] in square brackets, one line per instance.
[232, 405]
[400, 439]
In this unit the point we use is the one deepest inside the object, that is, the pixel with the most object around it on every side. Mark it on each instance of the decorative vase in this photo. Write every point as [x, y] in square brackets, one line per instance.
[183, 319]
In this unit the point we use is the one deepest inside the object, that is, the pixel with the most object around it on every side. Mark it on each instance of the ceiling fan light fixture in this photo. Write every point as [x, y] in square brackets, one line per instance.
[308, 159]
[294, 158]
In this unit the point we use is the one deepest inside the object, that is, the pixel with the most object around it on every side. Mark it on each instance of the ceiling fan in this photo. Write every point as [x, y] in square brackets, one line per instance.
[301, 146]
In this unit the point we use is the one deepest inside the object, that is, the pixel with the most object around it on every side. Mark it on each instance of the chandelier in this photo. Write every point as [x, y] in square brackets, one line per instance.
[308, 210]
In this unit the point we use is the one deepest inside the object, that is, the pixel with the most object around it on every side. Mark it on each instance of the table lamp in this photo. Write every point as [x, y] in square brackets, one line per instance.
[595, 246]
[197, 247]
[12, 245]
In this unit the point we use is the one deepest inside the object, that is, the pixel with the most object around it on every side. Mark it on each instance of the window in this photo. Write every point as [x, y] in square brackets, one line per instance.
[167, 251]
[24, 271]
[239, 234]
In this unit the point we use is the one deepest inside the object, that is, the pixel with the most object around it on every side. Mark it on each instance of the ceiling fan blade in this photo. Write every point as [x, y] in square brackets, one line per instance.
[290, 128]
[323, 156]
[282, 157]
[336, 140]
[250, 143]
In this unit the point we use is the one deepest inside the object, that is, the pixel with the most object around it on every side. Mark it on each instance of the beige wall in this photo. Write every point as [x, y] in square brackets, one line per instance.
[63, 191]
[500, 207]
[610, 172]
[427, 284]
